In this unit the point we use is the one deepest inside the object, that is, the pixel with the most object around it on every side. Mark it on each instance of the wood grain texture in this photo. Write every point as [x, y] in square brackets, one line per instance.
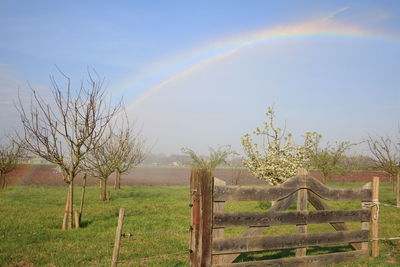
[319, 204]
[201, 188]
[304, 189]
[263, 193]
[279, 205]
[117, 242]
[374, 219]
[302, 204]
[262, 243]
[270, 218]
[218, 233]
[317, 260]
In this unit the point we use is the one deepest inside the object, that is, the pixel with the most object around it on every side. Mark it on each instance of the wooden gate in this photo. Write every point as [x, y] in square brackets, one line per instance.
[210, 248]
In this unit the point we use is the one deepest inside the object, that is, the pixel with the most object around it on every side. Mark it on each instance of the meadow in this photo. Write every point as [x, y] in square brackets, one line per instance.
[157, 216]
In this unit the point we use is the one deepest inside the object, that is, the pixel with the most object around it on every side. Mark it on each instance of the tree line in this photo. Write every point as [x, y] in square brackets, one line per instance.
[83, 131]
[271, 155]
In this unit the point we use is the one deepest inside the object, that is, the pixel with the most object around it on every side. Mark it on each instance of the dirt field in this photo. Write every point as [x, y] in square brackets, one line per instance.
[47, 175]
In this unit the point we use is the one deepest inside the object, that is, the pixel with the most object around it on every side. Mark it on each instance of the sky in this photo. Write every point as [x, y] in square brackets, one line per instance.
[201, 74]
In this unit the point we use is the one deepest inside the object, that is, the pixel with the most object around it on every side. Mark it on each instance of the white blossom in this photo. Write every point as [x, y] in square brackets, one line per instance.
[279, 158]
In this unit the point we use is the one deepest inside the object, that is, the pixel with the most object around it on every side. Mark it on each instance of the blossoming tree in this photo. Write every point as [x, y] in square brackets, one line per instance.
[278, 158]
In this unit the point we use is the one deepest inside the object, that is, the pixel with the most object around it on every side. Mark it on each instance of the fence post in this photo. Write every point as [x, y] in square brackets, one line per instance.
[76, 217]
[302, 202]
[374, 213]
[201, 191]
[118, 234]
[398, 190]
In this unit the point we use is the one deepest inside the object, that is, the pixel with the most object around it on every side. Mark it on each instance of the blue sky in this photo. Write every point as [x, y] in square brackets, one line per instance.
[190, 76]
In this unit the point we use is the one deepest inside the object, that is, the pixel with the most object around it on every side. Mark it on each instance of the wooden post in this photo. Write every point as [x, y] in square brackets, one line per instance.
[365, 225]
[82, 197]
[398, 190]
[302, 205]
[374, 217]
[218, 233]
[76, 217]
[118, 234]
[301, 229]
[201, 191]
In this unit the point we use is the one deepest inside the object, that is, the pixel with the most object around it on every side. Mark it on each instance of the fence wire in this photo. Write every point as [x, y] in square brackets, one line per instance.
[377, 204]
[161, 256]
[388, 205]
[154, 233]
[151, 258]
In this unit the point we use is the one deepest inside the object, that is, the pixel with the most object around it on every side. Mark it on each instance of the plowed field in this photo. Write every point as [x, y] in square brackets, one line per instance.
[47, 175]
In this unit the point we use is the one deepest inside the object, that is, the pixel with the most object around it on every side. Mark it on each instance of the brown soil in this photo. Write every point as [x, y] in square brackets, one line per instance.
[47, 175]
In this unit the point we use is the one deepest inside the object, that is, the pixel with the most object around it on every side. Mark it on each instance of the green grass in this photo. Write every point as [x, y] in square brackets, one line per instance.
[30, 220]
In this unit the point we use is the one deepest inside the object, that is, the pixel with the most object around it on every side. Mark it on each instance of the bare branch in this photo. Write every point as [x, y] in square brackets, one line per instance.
[10, 154]
[64, 131]
[386, 154]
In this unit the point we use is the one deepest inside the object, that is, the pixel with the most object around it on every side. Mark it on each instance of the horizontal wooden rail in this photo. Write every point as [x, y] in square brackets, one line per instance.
[319, 260]
[319, 204]
[279, 205]
[289, 218]
[250, 193]
[261, 243]
[263, 193]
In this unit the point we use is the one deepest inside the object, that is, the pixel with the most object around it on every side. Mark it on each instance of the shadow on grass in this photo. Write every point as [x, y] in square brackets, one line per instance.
[85, 223]
[259, 256]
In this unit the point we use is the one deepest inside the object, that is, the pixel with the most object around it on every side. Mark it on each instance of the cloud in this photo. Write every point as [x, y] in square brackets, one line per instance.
[333, 14]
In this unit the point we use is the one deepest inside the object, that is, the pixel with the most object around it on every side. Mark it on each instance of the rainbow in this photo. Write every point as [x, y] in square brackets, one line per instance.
[185, 64]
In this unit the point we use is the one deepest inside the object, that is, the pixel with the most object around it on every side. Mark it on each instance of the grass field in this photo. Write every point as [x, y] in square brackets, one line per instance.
[158, 217]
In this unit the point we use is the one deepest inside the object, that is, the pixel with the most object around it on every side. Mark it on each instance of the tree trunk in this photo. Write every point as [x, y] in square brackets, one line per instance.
[3, 183]
[103, 190]
[68, 213]
[117, 181]
[64, 223]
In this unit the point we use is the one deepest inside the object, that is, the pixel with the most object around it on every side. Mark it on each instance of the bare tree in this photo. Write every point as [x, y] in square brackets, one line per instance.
[122, 151]
[329, 160]
[130, 152]
[101, 163]
[386, 154]
[216, 157]
[359, 162]
[10, 155]
[238, 174]
[65, 131]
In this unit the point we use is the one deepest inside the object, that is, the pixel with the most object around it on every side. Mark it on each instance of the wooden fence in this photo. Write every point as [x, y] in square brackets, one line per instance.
[208, 246]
